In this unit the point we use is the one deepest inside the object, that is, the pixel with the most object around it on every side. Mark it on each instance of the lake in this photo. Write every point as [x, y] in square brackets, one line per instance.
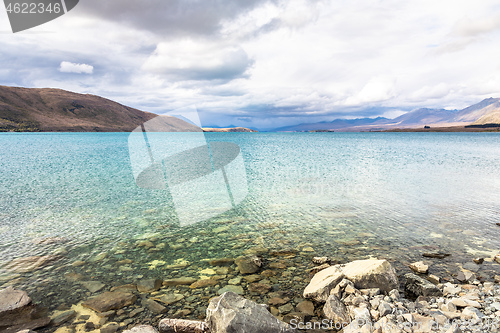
[69, 202]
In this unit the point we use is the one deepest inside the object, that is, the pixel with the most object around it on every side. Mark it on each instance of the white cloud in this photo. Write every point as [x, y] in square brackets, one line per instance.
[70, 67]
[198, 60]
[268, 59]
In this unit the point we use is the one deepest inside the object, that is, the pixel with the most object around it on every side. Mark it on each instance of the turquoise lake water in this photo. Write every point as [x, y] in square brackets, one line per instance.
[340, 193]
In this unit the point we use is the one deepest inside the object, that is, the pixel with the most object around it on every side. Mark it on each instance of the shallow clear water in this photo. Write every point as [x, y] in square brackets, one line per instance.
[347, 195]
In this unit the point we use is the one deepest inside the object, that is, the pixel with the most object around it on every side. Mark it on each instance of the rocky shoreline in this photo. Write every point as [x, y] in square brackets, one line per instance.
[360, 296]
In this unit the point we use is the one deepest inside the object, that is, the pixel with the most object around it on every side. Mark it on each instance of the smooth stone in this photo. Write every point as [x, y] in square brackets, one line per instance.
[253, 278]
[297, 317]
[277, 265]
[125, 288]
[284, 309]
[260, 288]
[471, 267]
[248, 264]
[306, 307]
[235, 281]
[220, 229]
[221, 262]
[235, 289]
[78, 263]
[62, 317]
[16, 308]
[230, 313]
[153, 306]
[73, 277]
[419, 267]
[30, 264]
[142, 329]
[256, 250]
[169, 298]
[135, 312]
[32, 324]
[276, 301]
[110, 328]
[179, 281]
[93, 286]
[203, 283]
[149, 285]
[207, 271]
[110, 301]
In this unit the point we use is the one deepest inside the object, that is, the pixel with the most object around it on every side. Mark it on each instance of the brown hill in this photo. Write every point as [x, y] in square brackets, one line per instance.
[56, 110]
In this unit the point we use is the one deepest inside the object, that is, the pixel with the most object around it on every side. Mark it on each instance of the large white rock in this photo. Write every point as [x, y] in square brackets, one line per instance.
[323, 282]
[232, 313]
[371, 273]
[365, 274]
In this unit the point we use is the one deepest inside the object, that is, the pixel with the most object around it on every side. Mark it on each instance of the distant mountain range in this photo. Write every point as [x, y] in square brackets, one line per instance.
[484, 113]
[31, 109]
[56, 110]
[227, 129]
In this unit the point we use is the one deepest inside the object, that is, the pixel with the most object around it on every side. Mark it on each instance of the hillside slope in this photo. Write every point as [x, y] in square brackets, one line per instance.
[56, 110]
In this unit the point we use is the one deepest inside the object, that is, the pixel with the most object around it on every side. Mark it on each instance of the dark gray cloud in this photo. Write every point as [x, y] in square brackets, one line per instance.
[169, 17]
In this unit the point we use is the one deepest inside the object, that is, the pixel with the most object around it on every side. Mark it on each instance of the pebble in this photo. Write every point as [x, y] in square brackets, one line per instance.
[419, 267]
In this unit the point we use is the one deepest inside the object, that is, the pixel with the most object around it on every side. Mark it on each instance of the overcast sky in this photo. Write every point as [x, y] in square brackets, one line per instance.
[265, 64]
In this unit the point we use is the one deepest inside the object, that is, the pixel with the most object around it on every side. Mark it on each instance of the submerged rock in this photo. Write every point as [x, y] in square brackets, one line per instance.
[61, 317]
[235, 289]
[110, 301]
[248, 264]
[153, 306]
[169, 298]
[179, 281]
[30, 264]
[231, 313]
[221, 262]
[203, 283]
[149, 285]
[17, 312]
[93, 286]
